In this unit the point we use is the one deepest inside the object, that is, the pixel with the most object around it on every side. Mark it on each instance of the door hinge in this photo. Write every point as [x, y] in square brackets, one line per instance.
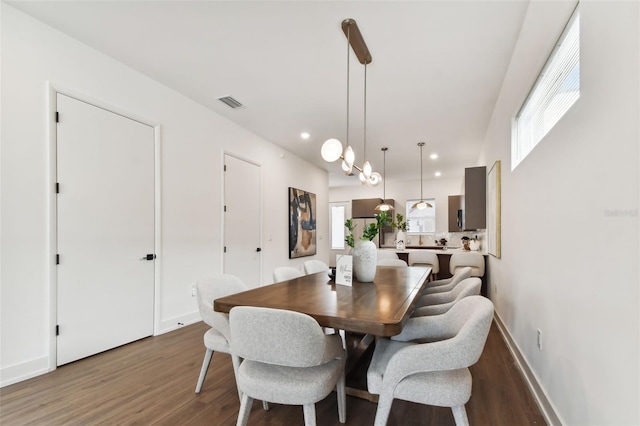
[57, 187]
[57, 330]
[225, 167]
[57, 259]
[225, 209]
[57, 117]
[225, 249]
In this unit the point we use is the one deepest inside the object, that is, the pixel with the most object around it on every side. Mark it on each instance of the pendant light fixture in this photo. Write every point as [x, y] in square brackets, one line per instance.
[332, 149]
[421, 204]
[383, 206]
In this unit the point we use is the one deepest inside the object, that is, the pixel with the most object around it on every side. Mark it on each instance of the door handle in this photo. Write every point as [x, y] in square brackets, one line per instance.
[148, 257]
[258, 249]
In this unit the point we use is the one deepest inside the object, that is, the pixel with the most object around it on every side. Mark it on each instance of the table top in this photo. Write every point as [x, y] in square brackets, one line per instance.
[380, 308]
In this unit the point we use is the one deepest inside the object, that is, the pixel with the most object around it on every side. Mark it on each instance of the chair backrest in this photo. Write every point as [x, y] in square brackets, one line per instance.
[467, 287]
[391, 262]
[469, 320]
[472, 259]
[423, 257]
[207, 290]
[385, 254]
[276, 336]
[313, 266]
[284, 273]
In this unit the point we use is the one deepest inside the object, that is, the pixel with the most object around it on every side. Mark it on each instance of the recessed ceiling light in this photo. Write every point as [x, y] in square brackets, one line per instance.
[433, 156]
[305, 135]
[437, 174]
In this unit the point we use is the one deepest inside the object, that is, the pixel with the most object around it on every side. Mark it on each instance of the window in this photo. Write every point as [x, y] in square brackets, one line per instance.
[338, 216]
[421, 221]
[555, 91]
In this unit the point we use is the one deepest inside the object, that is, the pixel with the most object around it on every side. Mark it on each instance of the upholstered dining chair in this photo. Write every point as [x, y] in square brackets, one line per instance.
[391, 262]
[472, 259]
[285, 358]
[313, 266]
[439, 303]
[386, 254]
[217, 337]
[434, 373]
[425, 258]
[284, 273]
[447, 284]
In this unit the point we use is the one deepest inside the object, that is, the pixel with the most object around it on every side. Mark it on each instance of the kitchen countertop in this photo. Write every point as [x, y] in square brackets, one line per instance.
[447, 250]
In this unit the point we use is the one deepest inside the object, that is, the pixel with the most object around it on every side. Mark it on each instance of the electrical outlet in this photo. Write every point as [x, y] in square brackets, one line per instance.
[539, 339]
[193, 290]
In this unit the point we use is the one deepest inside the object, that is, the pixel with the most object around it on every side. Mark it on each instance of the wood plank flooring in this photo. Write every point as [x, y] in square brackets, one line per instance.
[152, 382]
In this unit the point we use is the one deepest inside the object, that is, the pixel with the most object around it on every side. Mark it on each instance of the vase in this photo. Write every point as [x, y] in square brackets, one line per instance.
[400, 240]
[365, 256]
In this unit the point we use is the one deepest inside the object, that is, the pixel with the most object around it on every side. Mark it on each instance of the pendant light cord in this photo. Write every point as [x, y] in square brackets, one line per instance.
[364, 153]
[348, 56]
[421, 145]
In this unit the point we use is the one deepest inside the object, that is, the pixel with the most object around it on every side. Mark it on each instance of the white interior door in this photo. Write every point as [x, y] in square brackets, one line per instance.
[242, 220]
[105, 166]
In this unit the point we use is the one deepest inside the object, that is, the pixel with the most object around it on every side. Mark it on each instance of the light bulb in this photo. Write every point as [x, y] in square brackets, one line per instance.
[362, 178]
[349, 156]
[346, 168]
[331, 150]
[374, 179]
[421, 205]
[366, 169]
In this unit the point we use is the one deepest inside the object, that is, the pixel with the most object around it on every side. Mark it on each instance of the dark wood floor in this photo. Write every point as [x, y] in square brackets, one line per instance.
[152, 382]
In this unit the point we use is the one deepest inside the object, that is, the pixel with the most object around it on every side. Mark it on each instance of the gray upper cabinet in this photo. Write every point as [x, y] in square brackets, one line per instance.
[365, 208]
[475, 198]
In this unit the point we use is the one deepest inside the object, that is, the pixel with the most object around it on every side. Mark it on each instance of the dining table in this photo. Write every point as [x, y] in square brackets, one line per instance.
[362, 310]
[378, 308]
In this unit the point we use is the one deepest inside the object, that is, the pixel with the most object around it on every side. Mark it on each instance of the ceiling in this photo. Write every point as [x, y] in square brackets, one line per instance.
[436, 72]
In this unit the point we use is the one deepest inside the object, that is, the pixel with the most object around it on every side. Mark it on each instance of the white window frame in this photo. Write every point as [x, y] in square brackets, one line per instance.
[338, 233]
[555, 91]
[421, 222]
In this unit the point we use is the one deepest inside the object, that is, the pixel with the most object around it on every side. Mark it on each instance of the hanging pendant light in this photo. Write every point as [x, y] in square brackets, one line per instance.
[421, 205]
[383, 206]
[332, 149]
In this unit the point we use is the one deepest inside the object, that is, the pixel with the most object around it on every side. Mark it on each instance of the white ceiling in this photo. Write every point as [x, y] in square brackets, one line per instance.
[435, 76]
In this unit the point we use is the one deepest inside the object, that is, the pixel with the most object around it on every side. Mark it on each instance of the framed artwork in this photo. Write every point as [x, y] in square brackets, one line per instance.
[302, 223]
[493, 210]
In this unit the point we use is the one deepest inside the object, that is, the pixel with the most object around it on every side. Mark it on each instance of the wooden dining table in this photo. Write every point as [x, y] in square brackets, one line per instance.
[378, 308]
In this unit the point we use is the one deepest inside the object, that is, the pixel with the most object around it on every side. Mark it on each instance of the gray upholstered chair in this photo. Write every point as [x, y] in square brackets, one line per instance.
[285, 273]
[472, 259]
[447, 284]
[439, 303]
[433, 373]
[313, 266]
[425, 258]
[285, 358]
[216, 338]
[386, 254]
[391, 262]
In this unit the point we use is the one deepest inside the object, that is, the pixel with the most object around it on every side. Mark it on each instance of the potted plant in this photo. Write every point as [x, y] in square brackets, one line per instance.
[364, 251]
[401, 225]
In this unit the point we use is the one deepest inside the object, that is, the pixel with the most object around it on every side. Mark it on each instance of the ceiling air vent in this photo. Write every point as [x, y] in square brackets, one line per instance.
[230, 102]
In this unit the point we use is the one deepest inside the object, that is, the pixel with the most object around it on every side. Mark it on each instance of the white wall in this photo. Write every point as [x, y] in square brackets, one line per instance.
[193, 141]
[568, 267]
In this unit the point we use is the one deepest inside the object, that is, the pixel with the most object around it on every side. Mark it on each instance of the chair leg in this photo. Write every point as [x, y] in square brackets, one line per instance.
[203, 371]
[342, 399]
[265, 405]
[383, 410]
[245, 410]
[309, 414]
[460, 415]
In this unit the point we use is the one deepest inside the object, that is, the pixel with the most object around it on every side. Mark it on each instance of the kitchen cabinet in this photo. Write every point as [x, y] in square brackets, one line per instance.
[365, 208]
[455, 213]
[475, 198]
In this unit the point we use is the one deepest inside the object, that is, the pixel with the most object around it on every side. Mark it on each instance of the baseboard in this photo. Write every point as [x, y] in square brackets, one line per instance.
[23, 371]
[548, 412]
[179, 321]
